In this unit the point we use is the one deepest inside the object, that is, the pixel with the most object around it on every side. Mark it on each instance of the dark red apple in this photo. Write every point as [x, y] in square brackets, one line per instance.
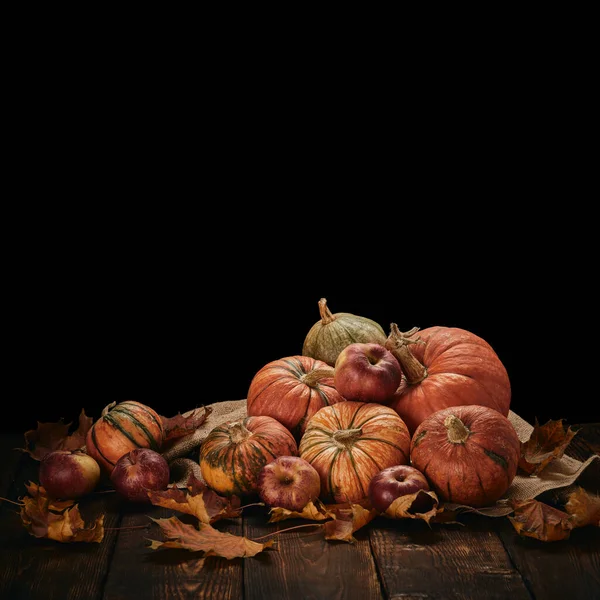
[139, 471]
[394, 482]
[68, 474]
[289, 482]
[367, 373]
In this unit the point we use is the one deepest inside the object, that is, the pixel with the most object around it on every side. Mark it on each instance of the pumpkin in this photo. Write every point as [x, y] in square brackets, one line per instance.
[233, 454]
[329, 336]
[469, 454]
[121, 428]
[292, 390]
[349, 443]
[445, 366]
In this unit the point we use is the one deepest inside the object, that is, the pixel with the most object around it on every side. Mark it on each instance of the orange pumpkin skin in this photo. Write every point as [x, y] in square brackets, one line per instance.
[349, 443]
[233, 454]
[288, 390]
[462, 369]
[126, 426]
[473, 466]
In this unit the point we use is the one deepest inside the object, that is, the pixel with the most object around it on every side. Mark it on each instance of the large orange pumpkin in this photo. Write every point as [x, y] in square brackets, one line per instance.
[469, 454]
[122, 428]
[233, 454]
[349, 443]
[292, 390]
[445, 366]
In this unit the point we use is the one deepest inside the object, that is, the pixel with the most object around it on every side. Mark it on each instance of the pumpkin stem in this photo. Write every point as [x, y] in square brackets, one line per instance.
[346, 437]
[458, 432]
[326, 315]
[397, 343]
[108, 407]
[313, 377]
[238, 432]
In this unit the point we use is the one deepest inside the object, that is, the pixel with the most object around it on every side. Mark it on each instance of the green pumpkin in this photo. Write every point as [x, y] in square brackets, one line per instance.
[329, 336]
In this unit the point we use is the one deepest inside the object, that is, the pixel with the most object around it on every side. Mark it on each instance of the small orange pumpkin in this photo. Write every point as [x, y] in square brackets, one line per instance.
[469, 454]
[233, 454]
[292, 390]
[349, 443]
[122, 428]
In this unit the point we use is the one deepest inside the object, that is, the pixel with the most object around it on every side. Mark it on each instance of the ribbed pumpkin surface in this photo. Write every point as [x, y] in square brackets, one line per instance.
[128, 425]
[350, 442]
[280, 390]
[475, 471]
[462, 369]
[232, 454]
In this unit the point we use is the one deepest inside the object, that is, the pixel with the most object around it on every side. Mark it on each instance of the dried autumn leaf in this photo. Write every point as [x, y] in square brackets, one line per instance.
[178, 426]
[584, 508]
[38, 493]
[55, 436]
[347, 519]
[546, 444]
[197, 500]
[206, 539]
[538, 520]
[59, 521]
[420, 505]
[313, 511]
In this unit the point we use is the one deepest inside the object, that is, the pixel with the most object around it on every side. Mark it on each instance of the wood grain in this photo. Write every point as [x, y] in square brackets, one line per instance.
[168, 573]
[306, 565]
[445, 561]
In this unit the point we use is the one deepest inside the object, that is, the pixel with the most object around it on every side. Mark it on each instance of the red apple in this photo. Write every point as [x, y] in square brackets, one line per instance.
[139, 471]
[394, 482]
[367, 373]
[68, 474]
[289, 482]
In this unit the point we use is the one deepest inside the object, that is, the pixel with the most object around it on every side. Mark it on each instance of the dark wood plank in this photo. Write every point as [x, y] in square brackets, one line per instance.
[306, 565]
[32, 568]
[445, 561]
[168, 573]
[568, 568]
[565, 569]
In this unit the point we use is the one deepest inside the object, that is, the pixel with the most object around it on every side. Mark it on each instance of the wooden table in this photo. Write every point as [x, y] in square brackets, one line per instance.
[482, 558]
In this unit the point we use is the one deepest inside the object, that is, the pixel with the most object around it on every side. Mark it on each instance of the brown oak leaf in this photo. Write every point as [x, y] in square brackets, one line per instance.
[59, 521]
[541, 521]
[584, 508]
[347, 519]
[55, 436]
[206, 539]
[313, 511]
[197, 500]
[546, 444]
[178, 426]
[420, 505]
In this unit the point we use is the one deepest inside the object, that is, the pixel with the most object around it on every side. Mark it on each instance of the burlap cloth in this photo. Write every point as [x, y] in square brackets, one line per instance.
[560, 473]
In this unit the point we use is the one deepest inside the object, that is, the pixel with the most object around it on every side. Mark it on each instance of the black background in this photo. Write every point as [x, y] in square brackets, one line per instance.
[185, 321]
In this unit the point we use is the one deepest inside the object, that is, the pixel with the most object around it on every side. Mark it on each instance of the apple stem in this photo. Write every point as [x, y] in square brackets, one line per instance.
[312, 378]
[262, 537]
[326, 315]
[458, 433]
[397, 343]
[12, 501]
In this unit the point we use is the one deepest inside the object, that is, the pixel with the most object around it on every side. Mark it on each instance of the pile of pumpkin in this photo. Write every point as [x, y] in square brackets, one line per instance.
[445, 414]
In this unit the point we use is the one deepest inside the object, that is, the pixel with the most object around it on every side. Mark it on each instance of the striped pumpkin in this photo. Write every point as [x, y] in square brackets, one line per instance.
[122, 428]
[292, 390]
[469, 454]
[349, 443]
[233, 454]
